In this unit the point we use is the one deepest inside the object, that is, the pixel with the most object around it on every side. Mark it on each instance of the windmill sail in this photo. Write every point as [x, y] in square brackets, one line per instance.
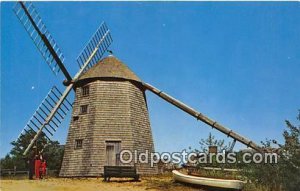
[54, 107]
[38, 32]
[59, 100]
[99, 41]
[201, 117]
[44, 121]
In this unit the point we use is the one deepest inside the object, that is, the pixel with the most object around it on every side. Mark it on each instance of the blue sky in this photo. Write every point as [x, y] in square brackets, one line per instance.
[237, 63]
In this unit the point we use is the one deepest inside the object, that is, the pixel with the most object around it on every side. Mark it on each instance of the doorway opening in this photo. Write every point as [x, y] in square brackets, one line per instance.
[113, 149]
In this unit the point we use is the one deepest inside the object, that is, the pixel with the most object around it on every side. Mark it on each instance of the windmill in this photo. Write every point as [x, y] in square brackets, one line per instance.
[109, 112]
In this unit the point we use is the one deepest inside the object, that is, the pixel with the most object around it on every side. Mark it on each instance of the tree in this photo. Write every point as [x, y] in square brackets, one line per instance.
[290, 156]
[53, 153]
[285, 174]
[212, 141]
[51, 150]
[204, 146]
[7, 162]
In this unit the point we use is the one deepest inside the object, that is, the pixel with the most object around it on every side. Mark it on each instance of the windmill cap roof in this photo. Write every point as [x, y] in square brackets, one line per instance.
[110, 67]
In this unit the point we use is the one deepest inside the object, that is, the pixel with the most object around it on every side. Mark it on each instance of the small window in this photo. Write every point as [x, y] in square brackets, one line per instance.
[83, 109]
[75, 118]
[78, 143]
[85, 90]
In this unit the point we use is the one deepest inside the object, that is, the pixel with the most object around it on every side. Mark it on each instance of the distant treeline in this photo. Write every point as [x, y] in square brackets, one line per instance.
[52, 151]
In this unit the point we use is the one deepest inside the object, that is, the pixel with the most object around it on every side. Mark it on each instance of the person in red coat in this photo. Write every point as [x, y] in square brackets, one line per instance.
[43, 168]
[37, 166]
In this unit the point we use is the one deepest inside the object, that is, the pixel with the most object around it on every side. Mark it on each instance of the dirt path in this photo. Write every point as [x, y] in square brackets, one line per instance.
[60, 184]
[65, 185]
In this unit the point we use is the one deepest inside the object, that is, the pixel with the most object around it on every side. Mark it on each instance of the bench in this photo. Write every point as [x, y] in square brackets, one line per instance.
[120, 172]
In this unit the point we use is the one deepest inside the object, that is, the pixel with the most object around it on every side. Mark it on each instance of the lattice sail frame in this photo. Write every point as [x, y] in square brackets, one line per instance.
[37, 30]
[101, 39]
[41, 114]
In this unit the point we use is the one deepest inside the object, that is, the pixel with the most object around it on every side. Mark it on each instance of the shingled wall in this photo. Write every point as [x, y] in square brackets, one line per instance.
[117, 111]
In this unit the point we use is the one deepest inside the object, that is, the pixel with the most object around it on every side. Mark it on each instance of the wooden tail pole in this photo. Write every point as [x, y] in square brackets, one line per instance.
[201, 117]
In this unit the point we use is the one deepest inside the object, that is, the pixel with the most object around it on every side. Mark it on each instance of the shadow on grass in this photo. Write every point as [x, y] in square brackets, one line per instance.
[121, 180]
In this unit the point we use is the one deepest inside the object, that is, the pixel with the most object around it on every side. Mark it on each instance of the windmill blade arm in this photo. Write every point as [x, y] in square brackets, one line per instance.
[95, 48]
[38, 32]
[49, 115]
[201, 117]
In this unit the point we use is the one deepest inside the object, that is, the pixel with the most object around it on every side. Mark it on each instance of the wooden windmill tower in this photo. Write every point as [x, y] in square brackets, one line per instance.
[109, 112]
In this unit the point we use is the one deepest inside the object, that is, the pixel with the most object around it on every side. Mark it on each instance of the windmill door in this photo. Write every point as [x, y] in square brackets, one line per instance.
[112, 153]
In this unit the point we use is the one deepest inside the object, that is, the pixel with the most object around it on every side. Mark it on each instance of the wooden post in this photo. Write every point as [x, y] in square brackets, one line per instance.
[213, 149]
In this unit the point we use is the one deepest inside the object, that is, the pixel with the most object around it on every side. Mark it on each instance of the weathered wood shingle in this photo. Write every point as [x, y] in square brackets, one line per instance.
[117, 110]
